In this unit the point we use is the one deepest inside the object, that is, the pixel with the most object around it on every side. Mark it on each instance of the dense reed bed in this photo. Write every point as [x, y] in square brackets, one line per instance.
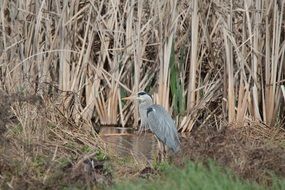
[212, 62]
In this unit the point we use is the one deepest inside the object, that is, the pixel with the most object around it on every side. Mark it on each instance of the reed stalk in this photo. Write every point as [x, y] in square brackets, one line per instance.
[201, 60]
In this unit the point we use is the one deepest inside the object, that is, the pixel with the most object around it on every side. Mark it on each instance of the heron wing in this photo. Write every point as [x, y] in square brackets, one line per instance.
[163, 126]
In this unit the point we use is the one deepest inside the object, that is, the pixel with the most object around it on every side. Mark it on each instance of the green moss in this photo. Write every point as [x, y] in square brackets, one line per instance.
[17, 129]
[86, 149]
[63, 162]
[160, 166]
[101, 155]
[70, 145]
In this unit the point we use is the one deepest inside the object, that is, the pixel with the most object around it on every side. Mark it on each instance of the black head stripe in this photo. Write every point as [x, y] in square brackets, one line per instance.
[142, 93]
[148, 110]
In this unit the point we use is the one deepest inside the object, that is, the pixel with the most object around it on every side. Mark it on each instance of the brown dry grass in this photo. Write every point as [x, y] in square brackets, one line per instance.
[39, 147]
[254, 153]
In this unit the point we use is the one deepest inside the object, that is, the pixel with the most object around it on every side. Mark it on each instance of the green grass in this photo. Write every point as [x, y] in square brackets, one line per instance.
[194, 176]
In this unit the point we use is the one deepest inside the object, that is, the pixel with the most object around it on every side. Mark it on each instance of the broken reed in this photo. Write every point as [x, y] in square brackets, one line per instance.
[208, 62]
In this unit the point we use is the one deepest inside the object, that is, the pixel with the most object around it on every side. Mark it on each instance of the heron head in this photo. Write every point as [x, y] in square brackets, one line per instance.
[144, 97]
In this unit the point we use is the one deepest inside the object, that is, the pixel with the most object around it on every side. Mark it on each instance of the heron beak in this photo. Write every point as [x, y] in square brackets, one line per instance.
[130, 97]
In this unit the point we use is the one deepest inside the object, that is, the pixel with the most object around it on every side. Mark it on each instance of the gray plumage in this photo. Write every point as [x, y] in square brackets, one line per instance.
[159, 121]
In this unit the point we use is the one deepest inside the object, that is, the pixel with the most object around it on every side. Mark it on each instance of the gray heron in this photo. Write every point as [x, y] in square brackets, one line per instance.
[159, 121]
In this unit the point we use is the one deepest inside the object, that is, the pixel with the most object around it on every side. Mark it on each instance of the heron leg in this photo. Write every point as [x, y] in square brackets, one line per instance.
[161, 154]
[164, 155]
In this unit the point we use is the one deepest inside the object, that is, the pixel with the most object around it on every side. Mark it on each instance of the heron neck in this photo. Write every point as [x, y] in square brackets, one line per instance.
[145, 104]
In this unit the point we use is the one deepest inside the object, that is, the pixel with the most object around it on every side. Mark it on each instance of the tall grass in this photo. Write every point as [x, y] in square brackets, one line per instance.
[208, 62]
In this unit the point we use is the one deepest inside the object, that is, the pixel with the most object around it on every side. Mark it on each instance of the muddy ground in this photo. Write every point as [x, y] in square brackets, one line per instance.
[253, 153]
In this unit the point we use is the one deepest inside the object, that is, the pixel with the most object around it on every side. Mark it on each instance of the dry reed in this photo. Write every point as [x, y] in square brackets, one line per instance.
[209, 62]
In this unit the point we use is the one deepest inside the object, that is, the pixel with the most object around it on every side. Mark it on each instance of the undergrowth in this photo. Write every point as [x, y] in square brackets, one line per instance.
[195, 176]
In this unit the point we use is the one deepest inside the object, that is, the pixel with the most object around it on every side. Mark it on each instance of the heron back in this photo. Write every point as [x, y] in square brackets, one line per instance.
[163, 126]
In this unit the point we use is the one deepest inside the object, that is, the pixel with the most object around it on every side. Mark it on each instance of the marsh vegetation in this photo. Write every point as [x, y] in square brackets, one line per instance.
[217, 66]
